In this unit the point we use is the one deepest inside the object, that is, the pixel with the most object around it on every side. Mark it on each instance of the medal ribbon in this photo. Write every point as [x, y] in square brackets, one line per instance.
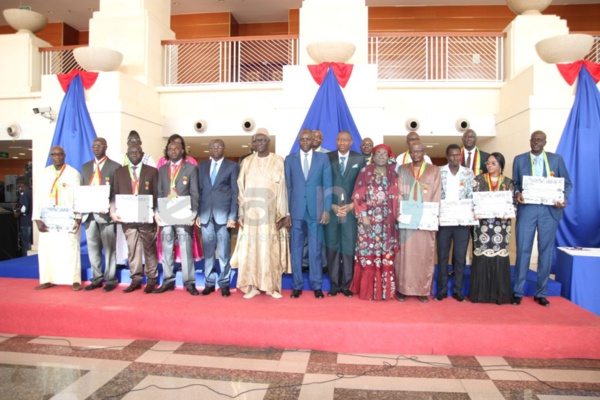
[173, 172]
[96, 179]
[415, 190]
[54, 190]
[476, 162]
[490, 184]
[135, 178]
[406, 155]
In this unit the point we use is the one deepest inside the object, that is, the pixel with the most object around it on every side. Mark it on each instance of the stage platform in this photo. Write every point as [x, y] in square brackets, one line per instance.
[339, 324]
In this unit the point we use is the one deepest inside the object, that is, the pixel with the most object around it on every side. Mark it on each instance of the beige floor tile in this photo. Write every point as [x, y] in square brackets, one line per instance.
[98, 376]
[6, 336]
[293, 361]
[565, 375]
[403, 361]
[317, 386]
[492, 362]
[158, 353]
[43, 360]
[405, 384]
[107, 344]
[479, 389]
[508, 374]
[228, 363]
[556, 397]
[183, 388]
[486, 396]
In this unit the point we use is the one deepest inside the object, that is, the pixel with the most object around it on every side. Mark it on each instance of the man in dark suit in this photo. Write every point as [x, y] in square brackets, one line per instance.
[100, 230]
[133, 179]
[175, 179]
[470, 155]
[530, 217]
[340, 233]
[308, 180]
[218, 192]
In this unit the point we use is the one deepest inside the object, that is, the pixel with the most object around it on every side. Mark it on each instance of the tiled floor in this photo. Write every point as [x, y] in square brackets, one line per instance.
[42, 367]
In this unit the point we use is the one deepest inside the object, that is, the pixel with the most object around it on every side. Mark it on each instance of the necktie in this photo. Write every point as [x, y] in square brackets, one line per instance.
[213, 173]
[305, 166]
[342, 165]
[538, 166]
[469, 160]
[134, 184]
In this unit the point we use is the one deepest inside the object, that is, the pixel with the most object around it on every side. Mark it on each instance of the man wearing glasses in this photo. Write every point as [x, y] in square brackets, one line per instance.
[100, 230]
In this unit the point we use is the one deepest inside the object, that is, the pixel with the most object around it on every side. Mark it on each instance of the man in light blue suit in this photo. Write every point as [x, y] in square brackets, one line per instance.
[308, 179]
[218, 192]
[530, 217]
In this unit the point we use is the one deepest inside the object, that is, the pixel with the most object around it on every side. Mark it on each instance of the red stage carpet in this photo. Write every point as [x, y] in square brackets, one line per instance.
[338, 324]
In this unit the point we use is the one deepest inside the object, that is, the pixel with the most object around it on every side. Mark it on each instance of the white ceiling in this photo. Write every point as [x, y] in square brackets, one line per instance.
[77, 13]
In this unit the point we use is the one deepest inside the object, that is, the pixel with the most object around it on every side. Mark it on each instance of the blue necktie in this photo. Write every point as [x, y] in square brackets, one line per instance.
[213, 174]
[305, 166]
[342, 165]
[539, 168]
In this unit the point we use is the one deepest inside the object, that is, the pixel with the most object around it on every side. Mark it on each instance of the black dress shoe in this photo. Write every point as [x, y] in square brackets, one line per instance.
[110, 286]
[135, 285]
[347, 293]
[451, 273]
[332, 293]
[440, 296]
[542, 301]
[191, 289]
[296, 294]
[225, 292]
[459, 297]
[516, 300]
[164, 287]
[319, 294]
[401, 297]
[150, 286]
[208, 290]
[93, 285]
[423, 299]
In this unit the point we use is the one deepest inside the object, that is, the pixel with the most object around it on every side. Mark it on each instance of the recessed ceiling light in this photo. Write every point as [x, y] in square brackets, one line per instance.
[429, 146]
[14, 147]
[22, 154]
[16, 158]
[206, 151]
[245, 145]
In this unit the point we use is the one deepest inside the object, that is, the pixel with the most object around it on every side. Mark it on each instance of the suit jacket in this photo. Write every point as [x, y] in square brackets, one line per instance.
[483, 156]
[186, 183]
[344, 184]
[122, 185]
[312, 194]
[522, 167]
[221, 199]
[107, 173]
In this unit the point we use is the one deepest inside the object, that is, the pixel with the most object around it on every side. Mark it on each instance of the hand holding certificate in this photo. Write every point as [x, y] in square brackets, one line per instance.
[493, 204]
[419, 215]
[542, 190]
[457, 212]
[131, 208]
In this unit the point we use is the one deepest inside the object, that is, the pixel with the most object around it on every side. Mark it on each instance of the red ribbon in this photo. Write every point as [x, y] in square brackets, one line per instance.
[342, 72]
[570, 71]
[87, 78]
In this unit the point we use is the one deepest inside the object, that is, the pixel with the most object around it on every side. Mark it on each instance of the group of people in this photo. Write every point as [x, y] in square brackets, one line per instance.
[314, 209]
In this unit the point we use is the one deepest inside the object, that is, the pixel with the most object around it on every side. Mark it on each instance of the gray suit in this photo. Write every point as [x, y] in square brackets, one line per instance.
[186, 184]
[100, 230]
[218, 203]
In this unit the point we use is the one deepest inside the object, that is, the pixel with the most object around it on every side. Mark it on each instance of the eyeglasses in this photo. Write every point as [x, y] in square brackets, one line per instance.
[491, 163]
[57, 154]
[216, 147]
[134, 141]
[260, 140]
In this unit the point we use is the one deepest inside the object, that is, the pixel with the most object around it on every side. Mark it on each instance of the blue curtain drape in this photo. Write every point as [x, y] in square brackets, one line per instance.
[580, 148]
[330, 114]
[74, 130]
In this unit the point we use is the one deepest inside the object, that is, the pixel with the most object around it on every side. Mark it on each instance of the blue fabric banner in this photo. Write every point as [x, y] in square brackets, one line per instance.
[580, 148]
[330, 114]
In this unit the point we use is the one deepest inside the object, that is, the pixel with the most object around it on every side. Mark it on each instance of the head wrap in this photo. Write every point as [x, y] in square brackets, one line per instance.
[383, 146]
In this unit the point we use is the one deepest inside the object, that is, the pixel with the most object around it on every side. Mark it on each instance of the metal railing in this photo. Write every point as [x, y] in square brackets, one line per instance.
[472, 57]
[225, 60]
[58, 60]
[594, 54]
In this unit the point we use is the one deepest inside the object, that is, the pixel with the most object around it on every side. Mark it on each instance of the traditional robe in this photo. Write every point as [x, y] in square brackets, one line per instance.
[262, 251]
[58, 252]
[415, 261]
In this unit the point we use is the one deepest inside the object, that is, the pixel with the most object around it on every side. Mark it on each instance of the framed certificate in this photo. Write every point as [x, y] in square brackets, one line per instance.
[90, 199]
[419, 215]
[493, 204]
[542, 190]
[176, 210]
[58, 218]
[457, 212]
[134, 208]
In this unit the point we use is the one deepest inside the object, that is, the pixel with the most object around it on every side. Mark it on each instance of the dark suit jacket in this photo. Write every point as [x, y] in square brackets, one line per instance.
[220, 200]
[186, 183]
[312, 193]
[522, 166]
[107, 174]
[148, 185]
[344, 184]
[483, 156]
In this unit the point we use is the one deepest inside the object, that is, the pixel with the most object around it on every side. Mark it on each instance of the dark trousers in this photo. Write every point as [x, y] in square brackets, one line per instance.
[215, 236]
[340, 241]
[459, 236]
[141, 244]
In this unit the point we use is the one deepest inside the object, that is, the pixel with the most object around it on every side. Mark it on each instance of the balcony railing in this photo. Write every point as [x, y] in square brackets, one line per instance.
[226, 60]
[58, 60]
[594, 54]
[472, 57]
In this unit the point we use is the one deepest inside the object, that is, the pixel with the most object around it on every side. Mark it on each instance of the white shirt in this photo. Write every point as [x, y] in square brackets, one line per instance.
[452, 188]
[212, 165]
[302, 155]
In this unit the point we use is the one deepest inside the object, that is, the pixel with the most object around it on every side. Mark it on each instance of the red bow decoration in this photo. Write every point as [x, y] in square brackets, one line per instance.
[87, 78]
[342, 72]
[570, 71]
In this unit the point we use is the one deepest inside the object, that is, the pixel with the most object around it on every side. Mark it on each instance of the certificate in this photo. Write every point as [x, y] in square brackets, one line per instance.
[457, 212]
[542, 190]
[89, 199]
[58, 218]
[419, 215]
[132, 208]
[493, 204]
[176, 210]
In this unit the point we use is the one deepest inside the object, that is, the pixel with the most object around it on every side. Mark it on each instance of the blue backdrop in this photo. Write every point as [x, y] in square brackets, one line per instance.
[580, 148]
[330, 114]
